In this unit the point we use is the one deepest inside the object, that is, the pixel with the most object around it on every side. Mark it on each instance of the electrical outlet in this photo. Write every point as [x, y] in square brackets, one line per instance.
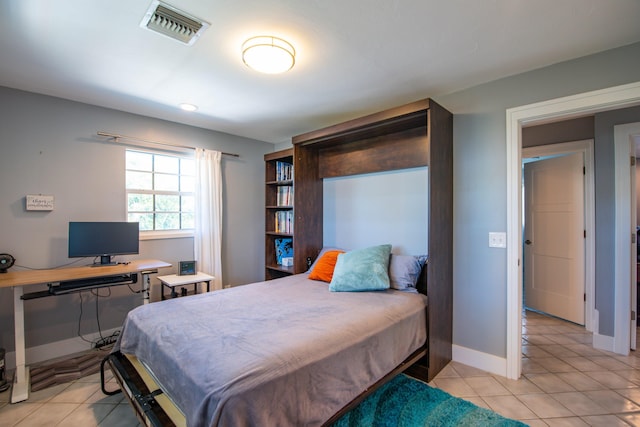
[497, 240]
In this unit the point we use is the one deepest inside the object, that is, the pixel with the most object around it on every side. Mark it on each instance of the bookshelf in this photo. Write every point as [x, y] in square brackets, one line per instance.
[279, 212]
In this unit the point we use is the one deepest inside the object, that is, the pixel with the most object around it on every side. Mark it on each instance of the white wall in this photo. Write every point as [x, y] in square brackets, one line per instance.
[379, 208]
[48, 146]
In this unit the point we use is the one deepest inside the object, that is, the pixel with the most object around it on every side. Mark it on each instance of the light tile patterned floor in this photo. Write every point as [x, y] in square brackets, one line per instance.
[79, 403]
[565, 382]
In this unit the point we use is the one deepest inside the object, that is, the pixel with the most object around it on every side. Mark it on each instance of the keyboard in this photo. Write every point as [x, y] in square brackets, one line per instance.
[91, 283]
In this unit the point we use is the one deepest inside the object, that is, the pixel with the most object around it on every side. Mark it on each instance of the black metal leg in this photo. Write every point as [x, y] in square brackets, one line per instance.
[102, 383]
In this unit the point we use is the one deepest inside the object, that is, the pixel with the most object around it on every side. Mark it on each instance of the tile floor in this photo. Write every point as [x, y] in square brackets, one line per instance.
[78, 403]
[565, 382]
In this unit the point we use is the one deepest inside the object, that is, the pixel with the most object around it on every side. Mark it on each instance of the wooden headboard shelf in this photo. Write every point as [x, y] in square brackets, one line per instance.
[412, 135]
[399, 150]
[382, 123]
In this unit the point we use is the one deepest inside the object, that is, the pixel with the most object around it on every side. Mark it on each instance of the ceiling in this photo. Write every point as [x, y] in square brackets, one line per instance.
[353, 57]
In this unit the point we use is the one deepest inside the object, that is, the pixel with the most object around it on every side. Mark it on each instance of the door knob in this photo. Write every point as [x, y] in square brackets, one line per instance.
[528, 242]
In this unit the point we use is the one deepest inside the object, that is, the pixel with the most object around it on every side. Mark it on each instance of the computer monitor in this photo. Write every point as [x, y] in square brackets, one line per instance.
[103, 239]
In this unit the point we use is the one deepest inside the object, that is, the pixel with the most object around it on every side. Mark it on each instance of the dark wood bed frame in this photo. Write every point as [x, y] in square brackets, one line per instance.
[414, 135]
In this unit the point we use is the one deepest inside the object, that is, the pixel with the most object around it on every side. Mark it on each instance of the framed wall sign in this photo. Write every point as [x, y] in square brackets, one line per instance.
[39, 202]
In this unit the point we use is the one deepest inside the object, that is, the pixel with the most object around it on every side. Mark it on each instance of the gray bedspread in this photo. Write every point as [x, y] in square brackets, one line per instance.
[286, 352]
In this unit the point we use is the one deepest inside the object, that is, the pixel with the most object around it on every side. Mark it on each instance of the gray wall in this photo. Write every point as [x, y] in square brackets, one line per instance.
[563, 131]
[48, 146]
[480, 283]
[604, 154]
[480, 202]
[600, 127]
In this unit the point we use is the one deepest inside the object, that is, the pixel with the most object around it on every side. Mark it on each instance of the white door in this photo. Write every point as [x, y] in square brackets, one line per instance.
[554, 237]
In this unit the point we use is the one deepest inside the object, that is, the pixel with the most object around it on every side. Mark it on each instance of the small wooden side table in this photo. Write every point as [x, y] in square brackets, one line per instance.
[173, 280]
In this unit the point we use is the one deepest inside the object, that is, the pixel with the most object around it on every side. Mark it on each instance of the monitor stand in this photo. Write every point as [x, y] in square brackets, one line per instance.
[104, 260]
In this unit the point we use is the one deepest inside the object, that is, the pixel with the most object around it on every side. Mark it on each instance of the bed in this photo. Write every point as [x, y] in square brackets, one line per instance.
[298, 382]
[286, 352]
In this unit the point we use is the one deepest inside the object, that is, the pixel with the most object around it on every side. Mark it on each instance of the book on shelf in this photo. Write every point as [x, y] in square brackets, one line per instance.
[284, 196]
[284, 171]
[284, 222]
[284, 248]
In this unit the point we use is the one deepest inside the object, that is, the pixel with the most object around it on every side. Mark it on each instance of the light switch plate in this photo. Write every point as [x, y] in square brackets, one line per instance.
[497, 240]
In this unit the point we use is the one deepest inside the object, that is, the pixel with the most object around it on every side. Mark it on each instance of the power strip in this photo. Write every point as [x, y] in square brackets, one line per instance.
[106, 341]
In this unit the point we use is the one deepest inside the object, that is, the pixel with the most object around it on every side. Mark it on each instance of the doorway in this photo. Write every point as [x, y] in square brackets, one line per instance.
[626, 138]
[554, 234]
[582, 152]
[572, 106]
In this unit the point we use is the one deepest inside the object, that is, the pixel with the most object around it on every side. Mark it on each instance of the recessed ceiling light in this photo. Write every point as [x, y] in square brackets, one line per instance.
[188, 107]
[268, 54]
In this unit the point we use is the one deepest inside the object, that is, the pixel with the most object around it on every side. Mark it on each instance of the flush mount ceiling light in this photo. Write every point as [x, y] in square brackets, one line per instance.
[268, 54]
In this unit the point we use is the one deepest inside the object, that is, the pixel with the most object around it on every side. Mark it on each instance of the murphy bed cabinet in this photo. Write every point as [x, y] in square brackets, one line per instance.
[279, 221]
[414, 135]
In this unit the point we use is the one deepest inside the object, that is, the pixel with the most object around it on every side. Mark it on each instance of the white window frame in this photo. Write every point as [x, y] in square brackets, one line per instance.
[159, 234]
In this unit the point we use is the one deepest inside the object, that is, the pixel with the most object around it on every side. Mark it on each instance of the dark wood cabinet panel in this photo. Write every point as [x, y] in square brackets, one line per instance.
[413, 135]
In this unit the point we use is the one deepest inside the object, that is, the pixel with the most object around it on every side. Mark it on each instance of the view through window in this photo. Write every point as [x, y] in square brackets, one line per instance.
[160, 191]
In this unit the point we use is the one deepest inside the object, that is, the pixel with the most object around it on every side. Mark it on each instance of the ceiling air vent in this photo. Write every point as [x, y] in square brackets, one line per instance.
[171, 22]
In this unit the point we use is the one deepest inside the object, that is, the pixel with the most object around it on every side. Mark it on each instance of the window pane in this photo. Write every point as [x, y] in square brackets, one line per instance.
[145, 220]
[167, 221]
[187, 184]
[167, 203]
[139, 202]
[166, 182]
[187, 221]
[187, 167]
[166, 164]
[163, 187]
[139, 180]
[139, 161]
[188, 203]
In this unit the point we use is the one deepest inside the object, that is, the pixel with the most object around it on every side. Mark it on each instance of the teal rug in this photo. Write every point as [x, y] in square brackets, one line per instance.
[406, 402]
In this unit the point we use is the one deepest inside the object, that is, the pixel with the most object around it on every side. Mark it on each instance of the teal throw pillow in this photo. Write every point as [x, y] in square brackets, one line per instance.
[362, 270]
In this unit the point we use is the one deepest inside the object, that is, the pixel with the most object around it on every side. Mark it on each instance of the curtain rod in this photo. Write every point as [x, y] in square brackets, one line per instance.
[116, 137]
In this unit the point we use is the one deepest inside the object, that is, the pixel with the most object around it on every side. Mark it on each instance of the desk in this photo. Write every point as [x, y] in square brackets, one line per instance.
[18, 279]
[173, 280]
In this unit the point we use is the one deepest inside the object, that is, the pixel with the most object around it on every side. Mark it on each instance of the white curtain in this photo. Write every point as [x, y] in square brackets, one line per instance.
[208, 216]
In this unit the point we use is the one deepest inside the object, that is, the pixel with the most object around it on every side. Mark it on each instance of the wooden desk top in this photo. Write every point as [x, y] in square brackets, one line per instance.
[34, 277]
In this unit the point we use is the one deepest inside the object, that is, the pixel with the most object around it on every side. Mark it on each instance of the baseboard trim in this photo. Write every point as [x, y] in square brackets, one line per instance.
[477, 359]
[56, 349]
[603, 342]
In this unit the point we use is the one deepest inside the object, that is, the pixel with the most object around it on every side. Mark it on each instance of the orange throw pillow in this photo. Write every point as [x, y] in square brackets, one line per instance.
[323, 270]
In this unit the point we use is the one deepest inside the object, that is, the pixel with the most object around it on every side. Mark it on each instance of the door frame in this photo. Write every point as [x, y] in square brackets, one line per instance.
[538, 113]
[586, 148]
[623, 266]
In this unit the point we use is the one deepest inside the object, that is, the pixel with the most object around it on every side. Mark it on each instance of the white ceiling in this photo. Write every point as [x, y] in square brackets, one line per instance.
[353, 56]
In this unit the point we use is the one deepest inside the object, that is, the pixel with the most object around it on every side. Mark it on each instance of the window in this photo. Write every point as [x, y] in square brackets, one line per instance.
[160, 191]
